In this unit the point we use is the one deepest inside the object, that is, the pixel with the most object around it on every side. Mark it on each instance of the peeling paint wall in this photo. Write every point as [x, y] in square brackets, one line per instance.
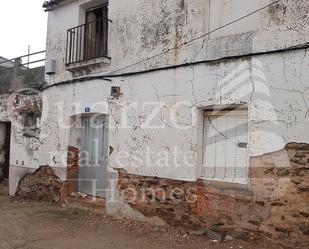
[274, 86]
[142, 29]
[63, 107]
[20, 97]
[68, 16]
[163, 109]
[22, 147]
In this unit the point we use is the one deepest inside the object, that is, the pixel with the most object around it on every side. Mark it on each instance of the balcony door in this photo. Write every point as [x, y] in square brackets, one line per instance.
[96, 32]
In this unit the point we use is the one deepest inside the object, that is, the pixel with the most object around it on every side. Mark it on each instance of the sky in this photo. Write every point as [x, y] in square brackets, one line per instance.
[22, 23]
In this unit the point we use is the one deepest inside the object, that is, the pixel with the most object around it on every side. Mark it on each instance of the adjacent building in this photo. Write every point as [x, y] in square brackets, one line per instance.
[20, 112]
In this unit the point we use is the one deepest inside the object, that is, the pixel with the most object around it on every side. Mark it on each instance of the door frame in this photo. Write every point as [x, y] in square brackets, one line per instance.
[93, 116]
[7, 153]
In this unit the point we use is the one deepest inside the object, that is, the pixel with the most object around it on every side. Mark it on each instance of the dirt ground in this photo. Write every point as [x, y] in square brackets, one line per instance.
[34, 225]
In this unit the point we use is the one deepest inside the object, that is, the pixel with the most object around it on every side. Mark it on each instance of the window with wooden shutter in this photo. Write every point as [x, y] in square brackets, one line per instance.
[225, 146]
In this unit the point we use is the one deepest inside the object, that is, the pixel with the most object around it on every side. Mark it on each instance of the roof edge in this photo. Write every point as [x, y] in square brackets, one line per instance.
[51, 5]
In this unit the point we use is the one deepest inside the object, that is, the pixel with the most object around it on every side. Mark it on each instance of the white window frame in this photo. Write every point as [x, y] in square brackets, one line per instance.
[240, 174]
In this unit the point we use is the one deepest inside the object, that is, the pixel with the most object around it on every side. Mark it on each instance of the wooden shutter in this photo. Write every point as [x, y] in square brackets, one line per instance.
[225, 150]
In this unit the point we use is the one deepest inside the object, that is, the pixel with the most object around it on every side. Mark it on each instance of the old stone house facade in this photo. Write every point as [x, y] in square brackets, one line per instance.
[191, 112]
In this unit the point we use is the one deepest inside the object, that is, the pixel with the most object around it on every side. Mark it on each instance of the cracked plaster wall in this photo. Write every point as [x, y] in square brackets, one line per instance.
[19, 96]
[275, 87]
[61, 107]
[141, 29]
[13, 107]
[276, 92]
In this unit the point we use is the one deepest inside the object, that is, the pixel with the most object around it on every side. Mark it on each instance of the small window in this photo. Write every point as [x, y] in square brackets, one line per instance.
[30, 125]
[225, 146]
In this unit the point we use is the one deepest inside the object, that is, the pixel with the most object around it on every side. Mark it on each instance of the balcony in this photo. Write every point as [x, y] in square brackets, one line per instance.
[87, 44]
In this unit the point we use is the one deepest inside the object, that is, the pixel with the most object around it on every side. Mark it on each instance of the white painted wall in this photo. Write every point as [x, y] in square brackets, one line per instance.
[60, 105]
[276, 90]
[141, 29]
[226, 11]
[67, 16]
[275, 86]
[22, 148]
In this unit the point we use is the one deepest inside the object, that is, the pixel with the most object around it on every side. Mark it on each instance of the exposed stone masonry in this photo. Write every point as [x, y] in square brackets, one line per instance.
[274, 204]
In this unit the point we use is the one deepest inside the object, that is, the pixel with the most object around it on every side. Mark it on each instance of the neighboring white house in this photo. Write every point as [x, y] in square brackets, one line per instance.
[209, 96]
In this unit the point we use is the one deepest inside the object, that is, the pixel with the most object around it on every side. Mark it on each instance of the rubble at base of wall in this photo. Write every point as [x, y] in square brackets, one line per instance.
[42, 185]
[274, 205]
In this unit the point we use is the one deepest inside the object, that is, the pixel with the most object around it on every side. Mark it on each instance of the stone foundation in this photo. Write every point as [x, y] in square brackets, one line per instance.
[274, 204]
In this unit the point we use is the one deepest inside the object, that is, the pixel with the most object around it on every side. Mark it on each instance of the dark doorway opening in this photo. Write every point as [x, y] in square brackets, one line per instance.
[5, 141]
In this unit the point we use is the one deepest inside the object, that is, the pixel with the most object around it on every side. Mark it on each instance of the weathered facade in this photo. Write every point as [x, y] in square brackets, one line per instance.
[20, 112]
[201, 107]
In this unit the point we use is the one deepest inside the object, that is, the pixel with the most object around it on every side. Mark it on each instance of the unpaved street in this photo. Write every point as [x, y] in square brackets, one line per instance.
[34, 225]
